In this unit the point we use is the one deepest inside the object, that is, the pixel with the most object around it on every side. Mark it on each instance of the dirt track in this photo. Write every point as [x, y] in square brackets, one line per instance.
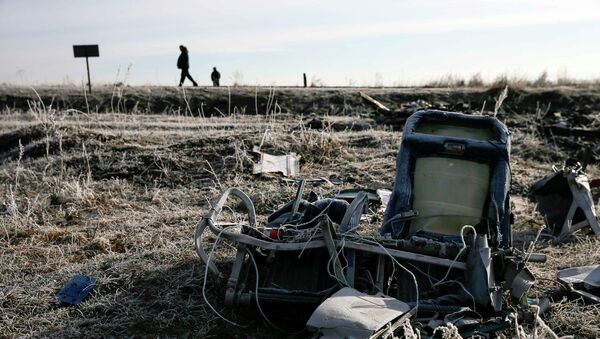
[115, 191]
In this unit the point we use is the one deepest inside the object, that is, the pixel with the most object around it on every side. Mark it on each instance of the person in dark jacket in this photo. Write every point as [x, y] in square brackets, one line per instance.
[215, 76]
[183, 63]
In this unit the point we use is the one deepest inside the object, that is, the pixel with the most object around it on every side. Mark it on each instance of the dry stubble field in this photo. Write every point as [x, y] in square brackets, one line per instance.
[112, 186]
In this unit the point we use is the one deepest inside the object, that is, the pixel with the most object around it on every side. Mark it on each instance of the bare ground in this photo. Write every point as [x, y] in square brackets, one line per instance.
[117, 195]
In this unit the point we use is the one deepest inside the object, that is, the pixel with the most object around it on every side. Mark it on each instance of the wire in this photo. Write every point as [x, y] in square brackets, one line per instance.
[462, 238]
[429, 277]
[330, 263]
[315, 230]
[397, 263]
[533, 243]
[258, 302]
[313, 219]
[206, 278]
[391, 277]
[464, 289]
[343, 254]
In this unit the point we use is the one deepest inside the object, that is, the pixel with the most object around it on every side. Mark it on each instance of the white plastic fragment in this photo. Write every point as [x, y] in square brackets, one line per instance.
[287, 164]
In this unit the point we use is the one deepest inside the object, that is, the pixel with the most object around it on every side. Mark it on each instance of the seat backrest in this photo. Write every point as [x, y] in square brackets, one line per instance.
[453, 170]
[448, 193]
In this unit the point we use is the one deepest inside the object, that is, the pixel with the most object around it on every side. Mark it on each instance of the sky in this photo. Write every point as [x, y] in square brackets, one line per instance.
[272, 42]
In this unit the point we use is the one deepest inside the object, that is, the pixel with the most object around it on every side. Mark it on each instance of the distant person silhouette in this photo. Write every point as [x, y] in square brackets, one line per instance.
[215, 76]
[183, 63]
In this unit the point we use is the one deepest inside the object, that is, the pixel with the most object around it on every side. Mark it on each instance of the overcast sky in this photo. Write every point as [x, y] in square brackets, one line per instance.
[272, 42]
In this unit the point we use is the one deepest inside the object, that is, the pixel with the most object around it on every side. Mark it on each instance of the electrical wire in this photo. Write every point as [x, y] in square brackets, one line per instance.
[315, 230]
[399, 264]
[258, 302]
[206, 278]
[532, 245]
[330, 263]
[462, 238]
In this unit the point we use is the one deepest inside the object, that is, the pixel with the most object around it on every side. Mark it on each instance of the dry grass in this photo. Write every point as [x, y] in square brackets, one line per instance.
[117, 196]
[510, 80]
[119, 200]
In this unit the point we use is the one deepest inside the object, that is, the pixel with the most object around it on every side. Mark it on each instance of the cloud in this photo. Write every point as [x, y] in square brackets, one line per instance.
[128, 31]
[270, 40]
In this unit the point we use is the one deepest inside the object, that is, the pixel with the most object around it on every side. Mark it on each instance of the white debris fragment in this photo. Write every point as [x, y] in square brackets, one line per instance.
[287, 164]
[352, 314]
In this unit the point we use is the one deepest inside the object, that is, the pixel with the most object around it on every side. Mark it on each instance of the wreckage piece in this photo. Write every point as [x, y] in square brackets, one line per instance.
[338, 270]
[333, 180]
[213, 214]
[373, 101]
[355, 210]
[375, 197]
[452, 170]
[303, 272]
[583, 281]
[565, 200]
[311, 256]
[519, 278]
[287, 164]
[480, 276]
[350, 194]
[210, 221]
[291, 263]
[76, 290]
[563, 129]
[352, 314]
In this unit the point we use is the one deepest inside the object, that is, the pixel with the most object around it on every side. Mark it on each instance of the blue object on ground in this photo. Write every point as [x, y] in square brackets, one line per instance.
[76, 290]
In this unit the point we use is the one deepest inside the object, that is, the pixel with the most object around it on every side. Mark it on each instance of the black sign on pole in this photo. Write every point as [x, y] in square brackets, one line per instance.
[86, 51]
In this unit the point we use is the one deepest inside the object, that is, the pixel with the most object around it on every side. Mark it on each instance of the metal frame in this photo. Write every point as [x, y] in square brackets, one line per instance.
[239, 238]
[238, 293]
[582, 199]
[377, 250]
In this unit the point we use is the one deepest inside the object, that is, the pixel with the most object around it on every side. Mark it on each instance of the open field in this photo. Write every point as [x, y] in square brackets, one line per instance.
[112, 185]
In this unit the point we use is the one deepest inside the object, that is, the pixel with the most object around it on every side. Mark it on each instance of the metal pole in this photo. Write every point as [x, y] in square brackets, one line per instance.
[88, 70]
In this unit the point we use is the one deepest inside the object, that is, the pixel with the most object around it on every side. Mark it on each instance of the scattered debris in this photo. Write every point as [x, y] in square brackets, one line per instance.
[336, 180]
[340, 123]
[352, 314]
[565, 201]
[564, 130]
[333, 180]
[583, 281]
[288, 164]
[76, 290]
[350, 194]
[379, 197]
[440, 257]
[384, 197]
[414, 106]
[373, 101]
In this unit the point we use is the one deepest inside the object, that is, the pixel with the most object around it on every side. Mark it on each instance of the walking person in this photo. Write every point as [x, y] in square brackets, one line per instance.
[215, 76]
[183, 63]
